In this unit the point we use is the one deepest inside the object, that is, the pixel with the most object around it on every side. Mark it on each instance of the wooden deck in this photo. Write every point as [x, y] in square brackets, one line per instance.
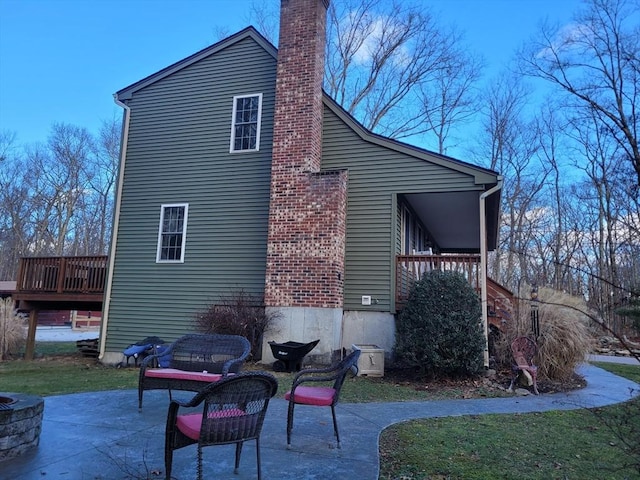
[61, 282]
[58, 283]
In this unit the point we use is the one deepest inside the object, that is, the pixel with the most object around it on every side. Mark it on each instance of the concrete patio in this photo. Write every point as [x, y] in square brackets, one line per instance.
[101, 435]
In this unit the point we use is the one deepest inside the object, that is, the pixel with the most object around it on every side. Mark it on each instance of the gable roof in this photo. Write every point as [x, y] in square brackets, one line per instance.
[481, 175]
[249, 32]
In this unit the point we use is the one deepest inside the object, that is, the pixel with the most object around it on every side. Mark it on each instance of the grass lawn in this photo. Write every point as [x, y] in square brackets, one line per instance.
[576, 444]
[59, 369]
[579, 444]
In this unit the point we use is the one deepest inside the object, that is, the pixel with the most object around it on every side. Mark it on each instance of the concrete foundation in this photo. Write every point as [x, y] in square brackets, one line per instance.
[112, 358]
[304, 325]
[376, 328]
[336, 329]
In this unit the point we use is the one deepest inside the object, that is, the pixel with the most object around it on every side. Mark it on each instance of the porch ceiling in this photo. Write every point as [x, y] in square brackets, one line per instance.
[453, 219]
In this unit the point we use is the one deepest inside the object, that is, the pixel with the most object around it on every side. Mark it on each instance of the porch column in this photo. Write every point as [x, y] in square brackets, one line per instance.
[483, 266]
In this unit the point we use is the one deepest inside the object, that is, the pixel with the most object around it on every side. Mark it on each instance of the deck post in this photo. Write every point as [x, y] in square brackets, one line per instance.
[31, 334]
[61, 275]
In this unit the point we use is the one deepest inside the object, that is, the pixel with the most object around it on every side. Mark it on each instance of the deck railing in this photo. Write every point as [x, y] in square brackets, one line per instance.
[410, 268]
[62, 274]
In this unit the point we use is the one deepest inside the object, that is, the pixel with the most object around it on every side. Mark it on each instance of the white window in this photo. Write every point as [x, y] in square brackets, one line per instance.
[412, 234]
[245, 123]
[172, 233]
[419, 244]
[406, 232]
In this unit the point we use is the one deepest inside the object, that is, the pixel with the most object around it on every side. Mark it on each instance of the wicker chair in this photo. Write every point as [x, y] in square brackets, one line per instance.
[192, 362]
[523, 350]
[320, 396]
[233, 412]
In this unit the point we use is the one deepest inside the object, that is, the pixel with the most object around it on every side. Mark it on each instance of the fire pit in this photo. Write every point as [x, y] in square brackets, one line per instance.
[20, 423]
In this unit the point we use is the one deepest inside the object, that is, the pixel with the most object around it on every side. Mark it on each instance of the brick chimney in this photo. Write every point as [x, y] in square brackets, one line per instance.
[307, 212]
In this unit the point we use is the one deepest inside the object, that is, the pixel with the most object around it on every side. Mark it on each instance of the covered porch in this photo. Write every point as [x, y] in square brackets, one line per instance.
[410, 268]
[451, 231]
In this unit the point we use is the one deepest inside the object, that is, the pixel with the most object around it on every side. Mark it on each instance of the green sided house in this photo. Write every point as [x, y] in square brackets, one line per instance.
[239, 173]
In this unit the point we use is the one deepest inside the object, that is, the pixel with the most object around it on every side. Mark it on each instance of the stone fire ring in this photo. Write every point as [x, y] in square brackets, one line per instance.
[20, 423]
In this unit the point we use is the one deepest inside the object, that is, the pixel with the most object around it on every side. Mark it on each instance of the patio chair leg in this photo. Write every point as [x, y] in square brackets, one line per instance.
[335, 424]
[258, 457]
[238, 453]
[289, 424]
[199, 462]
[170, 440]
[168, 461]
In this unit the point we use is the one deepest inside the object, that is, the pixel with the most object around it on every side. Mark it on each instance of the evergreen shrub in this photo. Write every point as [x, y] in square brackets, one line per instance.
[439, 331]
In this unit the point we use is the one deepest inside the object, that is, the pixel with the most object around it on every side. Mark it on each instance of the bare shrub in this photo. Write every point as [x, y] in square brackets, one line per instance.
[12, 328]
[239, 313]
[500, 348]
[564, 339]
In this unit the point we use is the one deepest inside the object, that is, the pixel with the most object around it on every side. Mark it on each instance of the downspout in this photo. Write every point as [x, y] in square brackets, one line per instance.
[106, 302]
[483, 265]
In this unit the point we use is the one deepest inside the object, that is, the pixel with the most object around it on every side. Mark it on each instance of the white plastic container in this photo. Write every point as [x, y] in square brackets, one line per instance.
[371, 361]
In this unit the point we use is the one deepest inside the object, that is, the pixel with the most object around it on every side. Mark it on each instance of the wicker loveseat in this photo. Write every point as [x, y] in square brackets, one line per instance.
[192, 362]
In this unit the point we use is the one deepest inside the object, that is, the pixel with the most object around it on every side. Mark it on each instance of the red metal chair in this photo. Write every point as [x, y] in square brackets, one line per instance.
[233, 412]
[320, 396]
[523, 350]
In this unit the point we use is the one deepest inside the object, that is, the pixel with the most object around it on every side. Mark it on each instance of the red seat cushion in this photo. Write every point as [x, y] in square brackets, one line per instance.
[190, 423]
[173, 373]
[320, 396]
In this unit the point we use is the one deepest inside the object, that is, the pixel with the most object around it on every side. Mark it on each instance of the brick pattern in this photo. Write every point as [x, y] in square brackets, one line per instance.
[305, 253]
[297, 136]
[307, 217]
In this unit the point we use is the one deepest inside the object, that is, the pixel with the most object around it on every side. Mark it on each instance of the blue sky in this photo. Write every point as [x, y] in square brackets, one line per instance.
[62, 60]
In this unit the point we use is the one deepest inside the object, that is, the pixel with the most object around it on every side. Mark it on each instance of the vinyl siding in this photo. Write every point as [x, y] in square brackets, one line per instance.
[178, 152]
[377, 174]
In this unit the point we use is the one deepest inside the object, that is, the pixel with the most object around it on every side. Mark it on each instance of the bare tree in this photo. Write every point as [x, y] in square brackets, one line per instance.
[450, 98]
[558, 247]
[102, 177]
[392, 66]
[15, 212]
[7, 144]
[66, 177]
[265, 15]
[510, 142]
[56, 197]
[606, 213]
[596, 62]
